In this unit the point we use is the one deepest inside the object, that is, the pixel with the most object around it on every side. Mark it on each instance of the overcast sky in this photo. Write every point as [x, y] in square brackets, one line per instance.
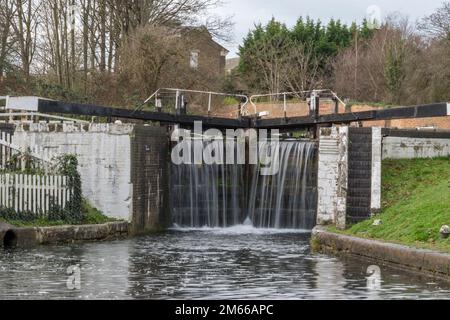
[248, 12]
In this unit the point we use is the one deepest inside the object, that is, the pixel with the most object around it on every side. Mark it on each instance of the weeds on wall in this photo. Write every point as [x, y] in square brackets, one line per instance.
[67, 165]
[23, 163]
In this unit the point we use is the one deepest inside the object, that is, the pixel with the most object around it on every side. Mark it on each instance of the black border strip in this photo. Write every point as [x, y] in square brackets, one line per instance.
[413, 133]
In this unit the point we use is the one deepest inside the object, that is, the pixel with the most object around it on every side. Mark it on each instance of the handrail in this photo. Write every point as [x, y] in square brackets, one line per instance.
[178, 91]
[285, 94]
[18, 149]
[38, 114]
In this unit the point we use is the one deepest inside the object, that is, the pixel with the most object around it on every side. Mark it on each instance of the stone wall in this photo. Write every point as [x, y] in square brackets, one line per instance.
[332, 176]
[424, 261]
[11, 236]
[349, 175]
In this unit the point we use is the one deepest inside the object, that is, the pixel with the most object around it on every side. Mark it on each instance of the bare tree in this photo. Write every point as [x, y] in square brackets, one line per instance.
[301, 69]
[268, 58]
[6, 19]
[380, 67]
[438, 23]
[146, 54]
[74, 43]
[25, 27]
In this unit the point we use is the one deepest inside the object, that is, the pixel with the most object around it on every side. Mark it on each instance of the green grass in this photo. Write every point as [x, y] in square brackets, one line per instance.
[372, 104]
[416, 203]
[91, 216]
[230, 101]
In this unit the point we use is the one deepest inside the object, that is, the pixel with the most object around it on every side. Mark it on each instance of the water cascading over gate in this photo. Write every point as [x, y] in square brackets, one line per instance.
[286, 200]
[207, 195]
[227, 195]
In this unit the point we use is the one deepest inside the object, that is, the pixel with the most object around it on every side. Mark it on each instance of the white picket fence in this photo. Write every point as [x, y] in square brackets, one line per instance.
[33, 193]
[25, 193]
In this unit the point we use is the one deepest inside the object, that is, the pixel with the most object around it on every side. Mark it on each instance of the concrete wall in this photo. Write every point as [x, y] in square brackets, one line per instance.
[332, 176]
[377, 140]
[410, 144]
[117, 163]
[103, 152]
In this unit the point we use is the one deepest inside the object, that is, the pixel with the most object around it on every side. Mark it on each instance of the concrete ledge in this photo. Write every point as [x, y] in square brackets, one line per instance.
[26, 237]
[422, 260]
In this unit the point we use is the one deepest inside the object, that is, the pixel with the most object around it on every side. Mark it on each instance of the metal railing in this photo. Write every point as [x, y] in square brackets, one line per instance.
[11, 114]
[178, 95]
[303, 94]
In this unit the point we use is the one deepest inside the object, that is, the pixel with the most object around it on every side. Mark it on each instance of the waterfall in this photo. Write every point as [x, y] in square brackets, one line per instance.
[286, 200]
[207, 195]
[216, 195]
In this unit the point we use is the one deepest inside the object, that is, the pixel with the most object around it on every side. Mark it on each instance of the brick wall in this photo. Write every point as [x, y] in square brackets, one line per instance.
[359, 194]
[150, 178]
[211, 60]
[294, 109]
[437, 123]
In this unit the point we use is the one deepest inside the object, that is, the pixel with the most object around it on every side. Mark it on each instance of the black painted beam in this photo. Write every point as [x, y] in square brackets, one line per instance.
[48, 106]
[301, 122]
[420, 111]
[415, 133]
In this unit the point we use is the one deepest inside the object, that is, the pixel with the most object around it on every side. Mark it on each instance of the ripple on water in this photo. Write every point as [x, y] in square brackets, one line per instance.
[234, 263]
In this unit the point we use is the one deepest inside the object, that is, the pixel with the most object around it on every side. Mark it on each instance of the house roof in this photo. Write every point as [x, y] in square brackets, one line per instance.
[204, 30]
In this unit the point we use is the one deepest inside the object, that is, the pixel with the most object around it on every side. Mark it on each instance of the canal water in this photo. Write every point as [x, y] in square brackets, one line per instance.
[232, 263]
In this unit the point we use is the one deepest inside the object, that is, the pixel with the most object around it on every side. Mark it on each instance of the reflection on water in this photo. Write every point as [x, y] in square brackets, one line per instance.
[234, 263]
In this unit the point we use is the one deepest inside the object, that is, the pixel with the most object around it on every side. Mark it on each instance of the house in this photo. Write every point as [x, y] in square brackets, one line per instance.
[204, 53]
[232, 64]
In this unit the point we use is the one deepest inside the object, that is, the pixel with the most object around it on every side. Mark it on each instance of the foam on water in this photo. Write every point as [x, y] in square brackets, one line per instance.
[240, 230]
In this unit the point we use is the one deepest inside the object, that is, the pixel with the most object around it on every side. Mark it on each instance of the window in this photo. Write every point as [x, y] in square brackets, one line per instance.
[194, 59]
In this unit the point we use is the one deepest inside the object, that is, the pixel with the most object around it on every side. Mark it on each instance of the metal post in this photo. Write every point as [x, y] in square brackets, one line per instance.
[336, 105]
[209, 104]
[177, 93]
[183, 105]
[313, 104]
[317, 110]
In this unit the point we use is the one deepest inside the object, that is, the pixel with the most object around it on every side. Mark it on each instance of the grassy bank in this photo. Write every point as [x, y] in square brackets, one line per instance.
[416, 203]
[90, 216]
